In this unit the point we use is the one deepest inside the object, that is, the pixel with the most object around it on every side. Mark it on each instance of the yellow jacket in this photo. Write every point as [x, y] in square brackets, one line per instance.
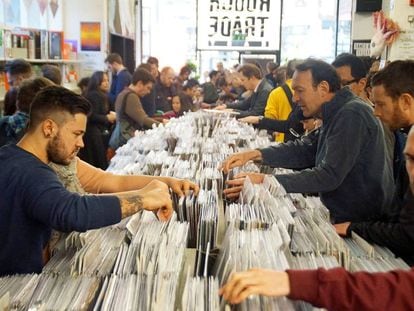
[278, 107]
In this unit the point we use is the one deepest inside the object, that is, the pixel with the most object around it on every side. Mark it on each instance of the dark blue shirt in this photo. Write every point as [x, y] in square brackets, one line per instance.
[32, 202]
[119, 81]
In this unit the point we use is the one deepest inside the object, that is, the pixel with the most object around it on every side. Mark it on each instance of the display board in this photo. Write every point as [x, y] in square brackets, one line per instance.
[238, 25]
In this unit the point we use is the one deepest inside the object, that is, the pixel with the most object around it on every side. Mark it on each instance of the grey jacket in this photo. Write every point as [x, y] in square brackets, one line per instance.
[346, 164]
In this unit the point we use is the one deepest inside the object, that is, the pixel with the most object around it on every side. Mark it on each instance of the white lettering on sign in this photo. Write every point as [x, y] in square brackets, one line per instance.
[238, 24]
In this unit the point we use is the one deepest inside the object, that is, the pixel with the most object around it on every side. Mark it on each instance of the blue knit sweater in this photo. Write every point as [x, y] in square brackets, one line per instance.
[32, 202]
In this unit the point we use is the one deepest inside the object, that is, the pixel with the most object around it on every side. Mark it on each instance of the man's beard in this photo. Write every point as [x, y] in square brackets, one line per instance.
[56, 151]
[398, 121]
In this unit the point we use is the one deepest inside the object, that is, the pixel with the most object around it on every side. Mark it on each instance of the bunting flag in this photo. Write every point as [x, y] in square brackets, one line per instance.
[54, 6]
[42, 6]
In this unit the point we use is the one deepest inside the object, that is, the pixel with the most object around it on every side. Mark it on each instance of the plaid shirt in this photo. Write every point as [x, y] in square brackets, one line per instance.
[16, 123]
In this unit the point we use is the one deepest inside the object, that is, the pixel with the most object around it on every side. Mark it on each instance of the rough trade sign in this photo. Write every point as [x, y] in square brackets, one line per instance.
[238, 24]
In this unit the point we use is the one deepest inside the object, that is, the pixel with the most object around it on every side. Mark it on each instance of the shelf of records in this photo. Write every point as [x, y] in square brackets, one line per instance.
[35, 45]
[144, 264]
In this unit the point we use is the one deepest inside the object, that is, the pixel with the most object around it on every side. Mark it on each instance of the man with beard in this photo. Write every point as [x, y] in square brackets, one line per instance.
[34, 201]
[121, 77]
[165, 89]
[393, 96]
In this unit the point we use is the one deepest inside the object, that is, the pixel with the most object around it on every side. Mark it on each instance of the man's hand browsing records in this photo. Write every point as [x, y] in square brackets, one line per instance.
[181, 187]
[235, 185]
[255, 282]
[239, 159]
[153, 197]
[250, 119]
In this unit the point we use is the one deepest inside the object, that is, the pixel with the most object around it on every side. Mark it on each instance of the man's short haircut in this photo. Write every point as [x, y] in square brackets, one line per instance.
[185, 69]
[142, 75]
[250, 70]
[18, 66]
[190, 84]
[114, 58]
[153, 60]
[145, 66]
[56, 103]
[396, 78]
[222, 82]
[358, 68]
[321, 71]
[291, 66]
[212, 74]
[28, 90]
[52, 73]
[165, 70]
[271, 66]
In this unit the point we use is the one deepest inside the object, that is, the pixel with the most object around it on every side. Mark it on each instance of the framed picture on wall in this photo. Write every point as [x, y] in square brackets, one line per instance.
[90, 36]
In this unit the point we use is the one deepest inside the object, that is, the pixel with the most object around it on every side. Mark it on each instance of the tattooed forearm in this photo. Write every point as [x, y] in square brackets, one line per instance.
[130, 203]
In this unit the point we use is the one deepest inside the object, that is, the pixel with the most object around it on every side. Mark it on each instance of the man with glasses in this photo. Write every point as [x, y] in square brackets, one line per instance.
[352, 72]
[17, 71]
[393, 95]
[346, 165]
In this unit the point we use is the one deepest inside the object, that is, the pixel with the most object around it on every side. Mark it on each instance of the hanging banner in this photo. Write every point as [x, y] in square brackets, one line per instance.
[238, 25]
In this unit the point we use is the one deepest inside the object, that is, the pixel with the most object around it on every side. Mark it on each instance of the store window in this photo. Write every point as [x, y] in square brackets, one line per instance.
[318, 28]
[169, 31]
[310, 28]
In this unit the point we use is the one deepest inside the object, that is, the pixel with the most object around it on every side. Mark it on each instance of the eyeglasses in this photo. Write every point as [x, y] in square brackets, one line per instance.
[345, 83]
[294, 133]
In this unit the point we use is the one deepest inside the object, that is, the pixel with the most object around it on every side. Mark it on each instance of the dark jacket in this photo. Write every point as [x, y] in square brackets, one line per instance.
[148, 103]
[97, 131]
[210, 94]
[163, 96]
[292, 127]
[347, 164]
[186, 102]
[397, 236]
[396, 233]
[255, 104]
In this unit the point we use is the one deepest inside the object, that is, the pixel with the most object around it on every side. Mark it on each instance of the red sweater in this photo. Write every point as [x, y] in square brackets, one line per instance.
[338, 289]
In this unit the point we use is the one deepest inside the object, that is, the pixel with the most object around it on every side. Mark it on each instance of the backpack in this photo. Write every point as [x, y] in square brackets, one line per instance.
[123, 129]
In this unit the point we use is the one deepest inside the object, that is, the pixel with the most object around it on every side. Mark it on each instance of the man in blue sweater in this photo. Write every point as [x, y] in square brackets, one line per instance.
[121, 77]
[345, 163]
[33, 200]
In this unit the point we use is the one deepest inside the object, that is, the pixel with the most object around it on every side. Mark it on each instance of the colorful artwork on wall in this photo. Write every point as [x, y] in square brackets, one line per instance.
[90, 36]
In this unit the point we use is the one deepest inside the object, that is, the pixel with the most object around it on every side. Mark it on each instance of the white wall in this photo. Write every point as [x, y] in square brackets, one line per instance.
[363, 22]
[77, 11]
[403, 47]
[397, 10]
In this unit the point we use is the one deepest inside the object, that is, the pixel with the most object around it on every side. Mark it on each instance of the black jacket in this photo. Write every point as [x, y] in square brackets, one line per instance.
[397, 236]
[255, 104]
[285, 126]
